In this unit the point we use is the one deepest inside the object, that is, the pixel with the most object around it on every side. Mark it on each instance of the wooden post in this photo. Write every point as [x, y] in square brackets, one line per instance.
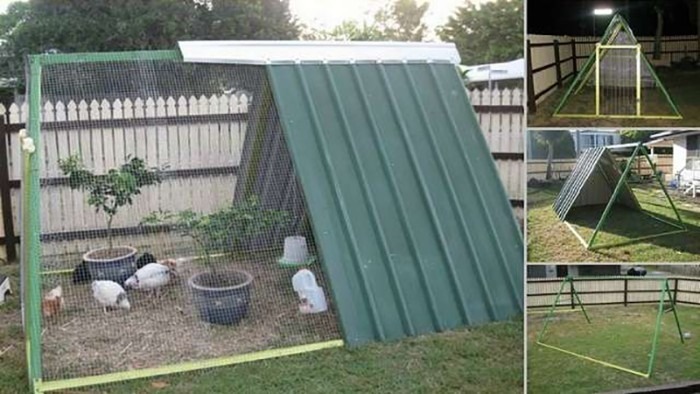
[573, 56]
[557, 62]
[625, 294]
[5, 199]
[531, 105]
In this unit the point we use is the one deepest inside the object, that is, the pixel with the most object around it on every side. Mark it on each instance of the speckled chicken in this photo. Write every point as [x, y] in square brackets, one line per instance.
[152, 276]
[110, 295]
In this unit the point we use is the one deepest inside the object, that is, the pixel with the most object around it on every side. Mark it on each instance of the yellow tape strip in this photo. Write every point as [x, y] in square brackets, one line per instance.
[603, 363]
[560, 115]
[578, 236]
[184, 367]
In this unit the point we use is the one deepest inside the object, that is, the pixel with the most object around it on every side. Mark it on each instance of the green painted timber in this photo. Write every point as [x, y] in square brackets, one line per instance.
[416, 232]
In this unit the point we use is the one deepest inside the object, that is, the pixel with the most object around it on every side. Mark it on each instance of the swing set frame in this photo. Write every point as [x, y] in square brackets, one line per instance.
[665, 292]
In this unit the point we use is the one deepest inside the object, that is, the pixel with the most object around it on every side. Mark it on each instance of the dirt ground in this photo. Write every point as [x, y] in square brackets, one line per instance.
[83, 340]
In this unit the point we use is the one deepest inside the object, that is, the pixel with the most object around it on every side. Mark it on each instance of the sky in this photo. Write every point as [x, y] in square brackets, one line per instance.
[575, 17]
[332, 12]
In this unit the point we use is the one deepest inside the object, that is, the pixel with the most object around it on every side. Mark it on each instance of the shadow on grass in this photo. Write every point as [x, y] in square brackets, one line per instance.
[624, 224]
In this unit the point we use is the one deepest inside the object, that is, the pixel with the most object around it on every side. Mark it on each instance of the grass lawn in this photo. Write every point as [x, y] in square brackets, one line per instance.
[549, 240]
[618, 335]
[486, 359]
[679, 83]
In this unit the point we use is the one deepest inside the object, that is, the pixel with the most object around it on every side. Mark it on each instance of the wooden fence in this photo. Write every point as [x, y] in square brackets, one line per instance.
[200, 140]
[622, 290]
[552, 60]
[561, 168]
[501, 116]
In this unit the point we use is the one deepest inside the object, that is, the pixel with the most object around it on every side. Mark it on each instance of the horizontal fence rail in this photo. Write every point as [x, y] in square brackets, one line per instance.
[619, 290]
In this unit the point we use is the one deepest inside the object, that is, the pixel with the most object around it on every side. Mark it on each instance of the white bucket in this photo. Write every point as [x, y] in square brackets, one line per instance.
[311, 296]
[295, 250]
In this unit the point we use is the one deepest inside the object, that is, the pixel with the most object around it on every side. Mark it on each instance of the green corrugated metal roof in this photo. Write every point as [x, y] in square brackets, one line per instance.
[414, 226]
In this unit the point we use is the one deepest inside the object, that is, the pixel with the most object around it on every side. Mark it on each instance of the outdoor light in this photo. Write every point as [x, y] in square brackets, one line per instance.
[602, 11]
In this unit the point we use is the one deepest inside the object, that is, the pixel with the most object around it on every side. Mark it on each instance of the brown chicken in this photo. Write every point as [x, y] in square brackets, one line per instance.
[52, 303]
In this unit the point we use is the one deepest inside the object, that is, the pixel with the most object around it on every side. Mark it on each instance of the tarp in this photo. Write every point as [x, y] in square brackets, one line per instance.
[415, 229]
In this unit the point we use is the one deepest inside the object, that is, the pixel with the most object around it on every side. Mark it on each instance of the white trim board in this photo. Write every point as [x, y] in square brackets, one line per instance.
[271, 52]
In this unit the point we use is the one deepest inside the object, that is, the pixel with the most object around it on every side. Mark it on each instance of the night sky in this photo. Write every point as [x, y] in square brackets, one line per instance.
[575, 17]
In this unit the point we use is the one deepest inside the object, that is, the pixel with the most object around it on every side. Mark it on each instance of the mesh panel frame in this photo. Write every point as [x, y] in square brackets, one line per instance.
[212, 135]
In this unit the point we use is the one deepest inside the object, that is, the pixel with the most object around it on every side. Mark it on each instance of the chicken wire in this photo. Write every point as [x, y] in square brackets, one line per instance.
[196, 156]
[617, 86]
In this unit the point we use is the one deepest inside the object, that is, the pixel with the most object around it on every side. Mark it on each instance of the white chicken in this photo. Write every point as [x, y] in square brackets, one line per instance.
[110, 295]
[152, 276]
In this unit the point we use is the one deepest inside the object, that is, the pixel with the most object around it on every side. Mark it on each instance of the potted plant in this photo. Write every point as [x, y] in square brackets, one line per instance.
[221, 295]
[108, 193]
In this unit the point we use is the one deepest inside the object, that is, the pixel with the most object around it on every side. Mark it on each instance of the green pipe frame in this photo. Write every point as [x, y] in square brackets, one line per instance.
[588, 67]
[30, 248]
[664, 292]
[680, 225]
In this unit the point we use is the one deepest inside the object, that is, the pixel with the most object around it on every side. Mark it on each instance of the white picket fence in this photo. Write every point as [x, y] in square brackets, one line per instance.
[93, 131]
[207, 142]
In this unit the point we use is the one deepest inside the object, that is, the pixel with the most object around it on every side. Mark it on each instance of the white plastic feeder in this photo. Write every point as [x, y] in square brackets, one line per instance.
[295, 250]
[311, 297]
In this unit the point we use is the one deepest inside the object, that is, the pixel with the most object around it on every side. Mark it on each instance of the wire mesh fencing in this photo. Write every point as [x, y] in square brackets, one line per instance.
[173, 228]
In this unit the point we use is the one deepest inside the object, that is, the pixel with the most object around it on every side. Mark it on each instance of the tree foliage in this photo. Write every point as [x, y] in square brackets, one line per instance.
[489, 33]
[96, 26]
[553, 141]
[400, 20]
[111, 191]
[637, 135]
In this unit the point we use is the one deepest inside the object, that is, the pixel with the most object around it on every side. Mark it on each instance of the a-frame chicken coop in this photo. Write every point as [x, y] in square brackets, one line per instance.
[617, 81]
[205, 161]
[597, 180]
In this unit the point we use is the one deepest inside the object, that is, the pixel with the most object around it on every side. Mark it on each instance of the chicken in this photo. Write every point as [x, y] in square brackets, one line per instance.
[152, 276]
[53, 302]
[110, 295]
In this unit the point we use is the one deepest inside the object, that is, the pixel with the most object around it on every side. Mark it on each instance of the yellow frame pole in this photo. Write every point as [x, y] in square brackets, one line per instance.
[597, 79]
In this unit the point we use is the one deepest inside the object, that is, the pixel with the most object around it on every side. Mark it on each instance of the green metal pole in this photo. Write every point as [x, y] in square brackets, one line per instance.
[675, 313]
[579, 301]
[657, 329]
[620, 184]
[31, 229]
[551, 310]
[663, 187]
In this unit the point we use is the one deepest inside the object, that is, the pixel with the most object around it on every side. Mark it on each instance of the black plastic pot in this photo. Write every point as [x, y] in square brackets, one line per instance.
[222, 298]
[117, 269]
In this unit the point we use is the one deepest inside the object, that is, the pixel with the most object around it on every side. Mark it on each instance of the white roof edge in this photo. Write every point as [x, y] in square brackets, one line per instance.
[270, 52]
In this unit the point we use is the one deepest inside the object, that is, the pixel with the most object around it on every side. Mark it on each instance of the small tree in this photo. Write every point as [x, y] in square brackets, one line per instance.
[225, 230]
[113, 190]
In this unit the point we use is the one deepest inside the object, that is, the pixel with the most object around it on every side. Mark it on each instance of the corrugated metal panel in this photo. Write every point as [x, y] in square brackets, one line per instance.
[592, 182]
[414, 226]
